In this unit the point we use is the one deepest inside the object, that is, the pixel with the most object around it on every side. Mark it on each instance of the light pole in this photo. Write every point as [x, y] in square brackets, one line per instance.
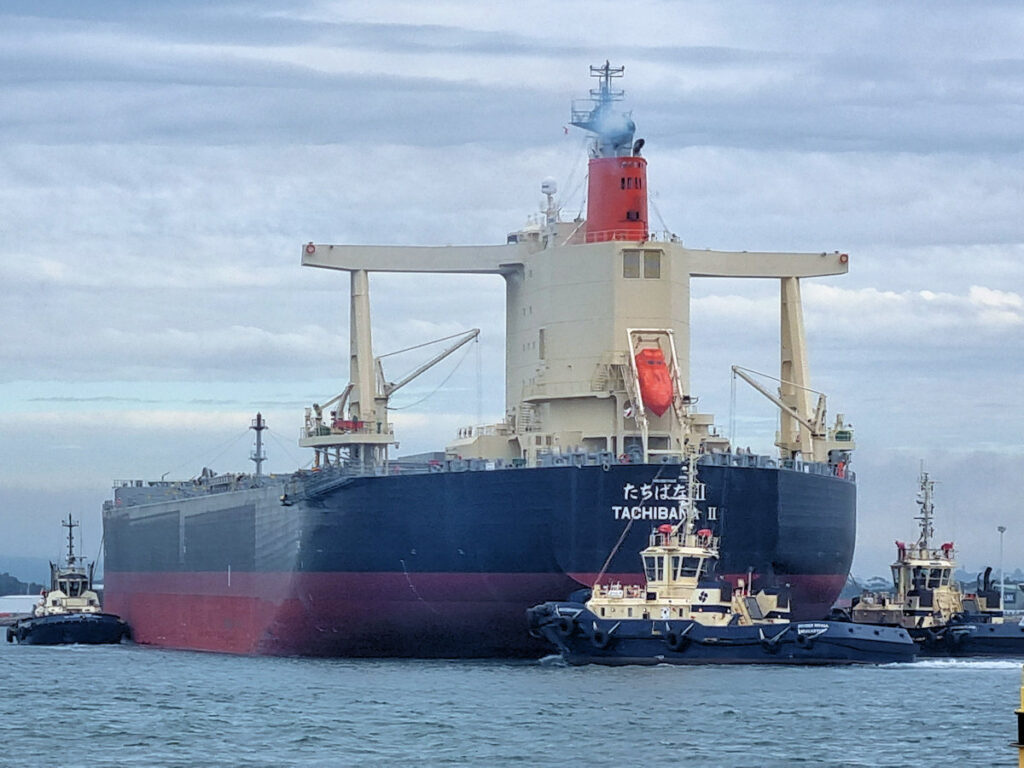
[1002, 576]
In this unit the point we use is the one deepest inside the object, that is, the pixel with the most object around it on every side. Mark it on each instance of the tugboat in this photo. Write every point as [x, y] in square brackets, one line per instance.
[69, 612]
[687, 614]
[927, 601]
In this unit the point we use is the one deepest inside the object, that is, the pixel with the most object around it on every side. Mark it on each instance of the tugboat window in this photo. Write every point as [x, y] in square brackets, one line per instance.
[690, 568]
[655, 568]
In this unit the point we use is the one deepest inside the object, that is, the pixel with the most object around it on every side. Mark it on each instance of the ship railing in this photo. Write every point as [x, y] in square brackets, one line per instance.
[624, 235]
[346, 427]
[725, 459]
[484, 430]
[618, 590]
[145, 483]
[630, 235]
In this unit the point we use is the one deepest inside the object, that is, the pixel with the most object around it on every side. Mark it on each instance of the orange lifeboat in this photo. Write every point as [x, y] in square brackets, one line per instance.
[655, 382]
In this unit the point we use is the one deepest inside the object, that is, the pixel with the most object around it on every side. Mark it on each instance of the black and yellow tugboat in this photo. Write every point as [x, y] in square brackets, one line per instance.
[928, 602]
[69, 612]
[686, 614]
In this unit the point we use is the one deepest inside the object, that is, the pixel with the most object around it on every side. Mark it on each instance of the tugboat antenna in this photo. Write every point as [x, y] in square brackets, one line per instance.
[924, 500]
[70, 525]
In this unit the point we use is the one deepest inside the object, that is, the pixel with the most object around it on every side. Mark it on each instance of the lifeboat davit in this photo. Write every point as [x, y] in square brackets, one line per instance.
[655, 382]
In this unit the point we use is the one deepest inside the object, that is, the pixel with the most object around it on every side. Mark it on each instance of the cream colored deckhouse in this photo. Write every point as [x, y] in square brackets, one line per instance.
[575, 314]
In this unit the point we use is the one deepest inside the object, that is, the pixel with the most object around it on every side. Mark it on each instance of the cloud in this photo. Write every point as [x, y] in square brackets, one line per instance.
[873, 318]
[163, 166]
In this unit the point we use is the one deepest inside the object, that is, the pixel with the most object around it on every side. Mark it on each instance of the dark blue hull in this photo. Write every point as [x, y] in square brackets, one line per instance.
[444, 563]
[69, 629]
[971, 639]
[583, 638]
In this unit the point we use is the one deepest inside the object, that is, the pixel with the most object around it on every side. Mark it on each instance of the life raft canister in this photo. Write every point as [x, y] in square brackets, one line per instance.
[655, 382]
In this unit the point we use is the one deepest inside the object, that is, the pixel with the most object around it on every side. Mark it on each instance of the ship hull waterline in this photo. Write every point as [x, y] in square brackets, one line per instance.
[69, 629]
[445, 565]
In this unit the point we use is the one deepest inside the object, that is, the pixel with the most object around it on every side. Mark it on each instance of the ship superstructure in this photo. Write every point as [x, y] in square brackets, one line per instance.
[585, 300]
[598, 418]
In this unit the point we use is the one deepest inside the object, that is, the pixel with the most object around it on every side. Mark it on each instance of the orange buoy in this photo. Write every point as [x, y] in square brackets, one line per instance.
[655, 382]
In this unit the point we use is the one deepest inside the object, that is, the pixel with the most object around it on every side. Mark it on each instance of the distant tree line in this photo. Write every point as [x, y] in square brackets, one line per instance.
[12, 586]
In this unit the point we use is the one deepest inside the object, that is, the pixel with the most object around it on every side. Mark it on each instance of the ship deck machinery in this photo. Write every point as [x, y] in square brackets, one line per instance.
[560, 493]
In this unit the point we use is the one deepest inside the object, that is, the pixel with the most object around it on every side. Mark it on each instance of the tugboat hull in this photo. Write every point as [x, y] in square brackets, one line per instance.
[69, 629]
[583, 638]
[971, 639]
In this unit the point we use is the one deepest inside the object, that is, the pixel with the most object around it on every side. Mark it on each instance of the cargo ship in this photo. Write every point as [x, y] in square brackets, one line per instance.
[370, 553]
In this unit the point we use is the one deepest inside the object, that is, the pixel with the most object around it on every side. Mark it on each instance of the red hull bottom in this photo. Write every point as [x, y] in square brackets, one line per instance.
[454, 615]
[335, 614]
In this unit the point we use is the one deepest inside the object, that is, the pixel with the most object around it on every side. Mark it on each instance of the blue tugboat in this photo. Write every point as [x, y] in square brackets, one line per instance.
[686, 614]
[927, 601]
[69, 612]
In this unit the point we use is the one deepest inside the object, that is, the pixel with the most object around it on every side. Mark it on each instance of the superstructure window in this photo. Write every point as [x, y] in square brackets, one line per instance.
[645, 263]
[631, 264]
[652, 264]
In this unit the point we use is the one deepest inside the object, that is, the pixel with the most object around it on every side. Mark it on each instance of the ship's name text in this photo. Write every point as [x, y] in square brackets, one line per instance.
[646, 513]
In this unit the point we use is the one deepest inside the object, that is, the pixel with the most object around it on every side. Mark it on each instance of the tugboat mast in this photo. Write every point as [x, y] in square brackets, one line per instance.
[70, 525]
[924, 500]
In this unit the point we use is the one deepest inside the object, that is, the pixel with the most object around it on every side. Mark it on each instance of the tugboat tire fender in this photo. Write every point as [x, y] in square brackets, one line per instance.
[601, 639]
[564, 626]
[677, 641]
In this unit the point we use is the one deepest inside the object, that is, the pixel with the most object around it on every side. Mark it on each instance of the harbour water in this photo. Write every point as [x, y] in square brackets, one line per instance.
[134, 706]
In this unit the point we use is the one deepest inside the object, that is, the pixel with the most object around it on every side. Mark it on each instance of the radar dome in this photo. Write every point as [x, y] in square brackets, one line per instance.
[548, 186]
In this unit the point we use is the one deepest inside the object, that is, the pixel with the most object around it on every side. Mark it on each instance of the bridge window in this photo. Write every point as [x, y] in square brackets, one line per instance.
[654, 566]
[652, 264]
[631, 264]
[633, 259]
[690, 568]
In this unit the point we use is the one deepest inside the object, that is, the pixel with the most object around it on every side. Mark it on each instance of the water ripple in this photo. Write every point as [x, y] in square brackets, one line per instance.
[134, 706]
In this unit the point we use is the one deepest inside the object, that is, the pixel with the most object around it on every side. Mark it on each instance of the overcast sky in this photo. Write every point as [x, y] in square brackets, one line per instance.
[161, 165]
